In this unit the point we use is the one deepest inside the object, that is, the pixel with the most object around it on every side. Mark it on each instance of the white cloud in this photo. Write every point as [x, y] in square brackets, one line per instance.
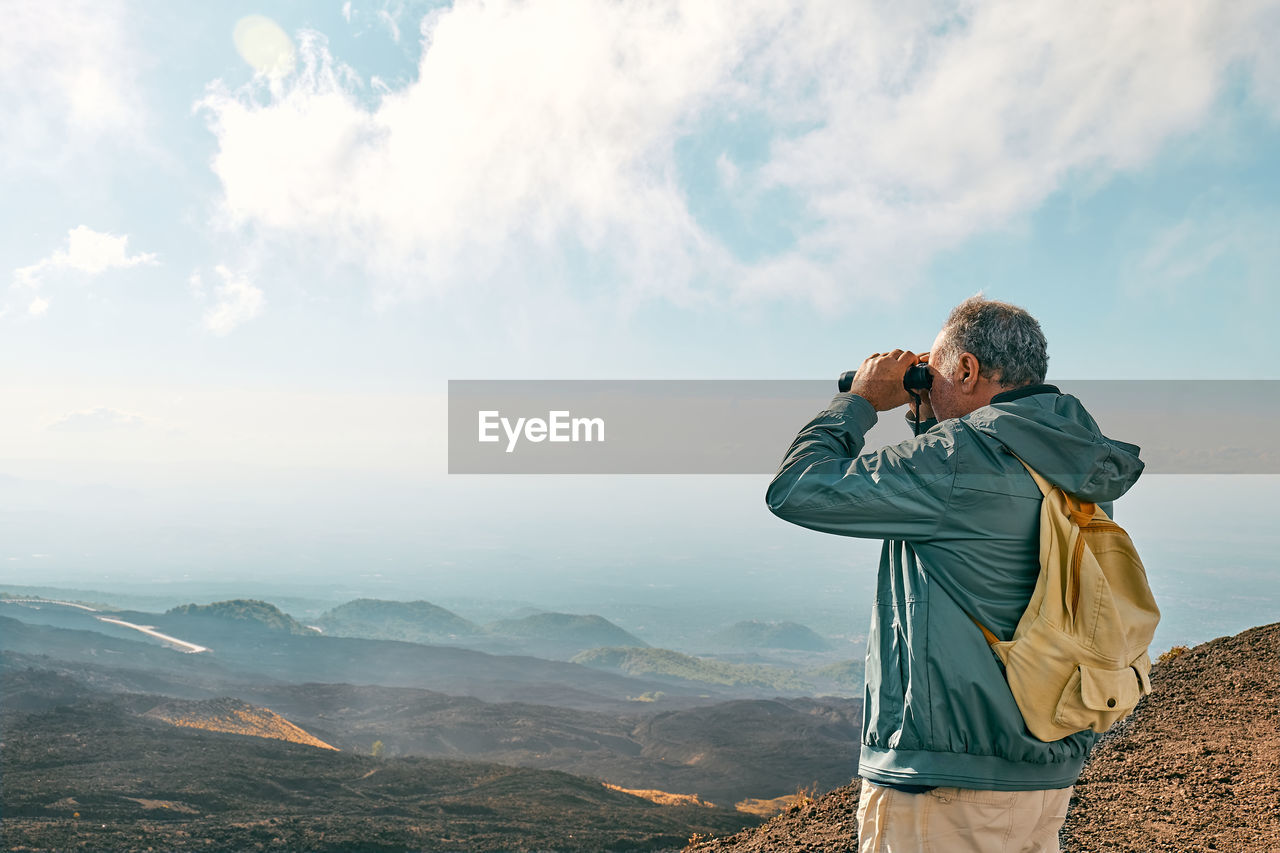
[68, 82]
[390, 18]
[87, 251]
[536, 129]
[1253, 30]
[98, 419]
[1181, 251]
[38, 306]
[1215, 231]
[238, 301]
[392, 25]
[529, 124]
[195, 286]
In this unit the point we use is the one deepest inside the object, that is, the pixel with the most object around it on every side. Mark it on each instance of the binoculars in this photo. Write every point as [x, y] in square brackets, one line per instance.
[917, 378]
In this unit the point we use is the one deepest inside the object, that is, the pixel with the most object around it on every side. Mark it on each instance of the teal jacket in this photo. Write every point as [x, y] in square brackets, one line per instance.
[960, 519]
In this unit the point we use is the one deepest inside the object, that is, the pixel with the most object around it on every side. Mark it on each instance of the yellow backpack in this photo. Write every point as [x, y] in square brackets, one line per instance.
[1078, 658]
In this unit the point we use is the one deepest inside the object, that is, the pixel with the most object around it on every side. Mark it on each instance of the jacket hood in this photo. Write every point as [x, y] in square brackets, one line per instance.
[1055, 435]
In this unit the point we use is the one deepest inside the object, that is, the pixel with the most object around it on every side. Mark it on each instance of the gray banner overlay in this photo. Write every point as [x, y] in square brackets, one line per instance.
[661, 426]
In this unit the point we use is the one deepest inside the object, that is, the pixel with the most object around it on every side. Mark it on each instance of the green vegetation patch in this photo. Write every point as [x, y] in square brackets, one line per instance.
[409, 621]
[244, 610]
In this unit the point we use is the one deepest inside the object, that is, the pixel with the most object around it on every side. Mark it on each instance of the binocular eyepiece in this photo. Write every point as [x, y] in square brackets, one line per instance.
[917, 378]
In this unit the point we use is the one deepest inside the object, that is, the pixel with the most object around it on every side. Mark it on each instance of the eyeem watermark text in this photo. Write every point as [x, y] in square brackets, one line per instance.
[558, 426]
[742, 426]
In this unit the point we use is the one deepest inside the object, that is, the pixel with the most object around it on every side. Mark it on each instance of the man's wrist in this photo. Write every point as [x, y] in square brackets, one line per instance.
[855, 406]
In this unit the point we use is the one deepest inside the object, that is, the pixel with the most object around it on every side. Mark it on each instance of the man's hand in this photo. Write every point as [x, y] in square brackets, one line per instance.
[879, 379]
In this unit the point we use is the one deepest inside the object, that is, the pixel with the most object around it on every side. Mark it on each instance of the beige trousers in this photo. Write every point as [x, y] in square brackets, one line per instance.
[960, 820]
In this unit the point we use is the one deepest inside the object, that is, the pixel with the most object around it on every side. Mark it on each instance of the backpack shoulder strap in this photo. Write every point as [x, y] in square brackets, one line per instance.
[1081, 512]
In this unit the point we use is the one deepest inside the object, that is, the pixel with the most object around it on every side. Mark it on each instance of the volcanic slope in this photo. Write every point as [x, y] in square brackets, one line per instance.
[1196, 768]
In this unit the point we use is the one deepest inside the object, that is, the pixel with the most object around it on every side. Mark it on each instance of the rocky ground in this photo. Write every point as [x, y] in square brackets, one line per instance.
[1196, 768]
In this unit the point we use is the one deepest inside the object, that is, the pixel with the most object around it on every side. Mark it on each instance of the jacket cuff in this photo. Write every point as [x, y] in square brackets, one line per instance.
[856, 408]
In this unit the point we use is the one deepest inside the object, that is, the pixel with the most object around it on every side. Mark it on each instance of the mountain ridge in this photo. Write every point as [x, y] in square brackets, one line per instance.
[679, 667]
[278, 655]
[755, 634]
[564, 633]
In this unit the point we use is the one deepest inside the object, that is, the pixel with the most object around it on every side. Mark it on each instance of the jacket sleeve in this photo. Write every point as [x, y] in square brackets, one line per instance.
[826, 483]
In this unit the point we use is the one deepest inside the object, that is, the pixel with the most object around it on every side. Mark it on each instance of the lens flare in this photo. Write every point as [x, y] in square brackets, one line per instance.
[264, 45]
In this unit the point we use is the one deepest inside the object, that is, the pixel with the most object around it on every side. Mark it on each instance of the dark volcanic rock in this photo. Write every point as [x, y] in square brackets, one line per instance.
[781, 744]
[723, 752]
[97, 777]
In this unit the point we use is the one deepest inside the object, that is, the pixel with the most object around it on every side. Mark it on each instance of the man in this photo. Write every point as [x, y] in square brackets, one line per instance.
[947, 762]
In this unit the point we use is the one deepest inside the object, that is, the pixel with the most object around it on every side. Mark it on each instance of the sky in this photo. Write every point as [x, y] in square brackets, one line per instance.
[247, 245]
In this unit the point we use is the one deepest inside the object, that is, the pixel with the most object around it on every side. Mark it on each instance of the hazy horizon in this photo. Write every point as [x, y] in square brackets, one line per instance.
[610, 545]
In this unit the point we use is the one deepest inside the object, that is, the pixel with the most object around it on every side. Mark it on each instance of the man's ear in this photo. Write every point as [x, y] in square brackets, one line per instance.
[968, 370]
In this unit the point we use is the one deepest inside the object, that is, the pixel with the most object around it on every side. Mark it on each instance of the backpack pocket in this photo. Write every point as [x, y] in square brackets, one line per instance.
[1095, 698]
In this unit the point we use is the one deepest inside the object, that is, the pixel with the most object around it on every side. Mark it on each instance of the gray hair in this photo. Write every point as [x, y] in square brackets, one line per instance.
[1006, 340]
